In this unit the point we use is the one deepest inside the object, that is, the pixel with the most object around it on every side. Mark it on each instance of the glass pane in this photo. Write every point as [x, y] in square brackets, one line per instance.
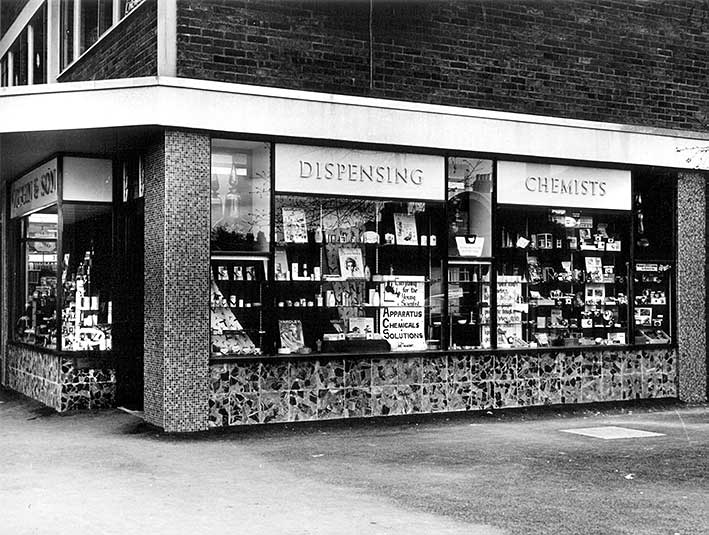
[562, 277]
[652, 284]
[469, 304]
[241, 196]
[354, 275]
[87, 277]
[37, 319]
[67, 32]
[654, 200]
[89, 24]
[469, 207]
[40, 47]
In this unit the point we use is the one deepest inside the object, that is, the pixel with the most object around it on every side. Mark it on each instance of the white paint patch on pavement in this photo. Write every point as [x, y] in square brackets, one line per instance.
[612, 432]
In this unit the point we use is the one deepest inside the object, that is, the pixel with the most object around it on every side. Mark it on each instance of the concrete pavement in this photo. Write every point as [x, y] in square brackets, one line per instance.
[512, 472]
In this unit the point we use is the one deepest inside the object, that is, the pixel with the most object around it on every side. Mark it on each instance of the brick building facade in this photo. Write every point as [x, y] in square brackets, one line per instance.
[590, 85]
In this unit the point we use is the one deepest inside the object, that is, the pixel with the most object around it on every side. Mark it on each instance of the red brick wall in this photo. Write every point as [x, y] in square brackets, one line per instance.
[631, 61]
[130, 50]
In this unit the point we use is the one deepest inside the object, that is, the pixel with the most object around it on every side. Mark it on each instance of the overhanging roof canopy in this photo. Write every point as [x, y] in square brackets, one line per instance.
[243, 109]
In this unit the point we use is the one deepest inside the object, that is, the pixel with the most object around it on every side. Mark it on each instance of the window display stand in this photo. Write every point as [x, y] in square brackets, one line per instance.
[237, 297]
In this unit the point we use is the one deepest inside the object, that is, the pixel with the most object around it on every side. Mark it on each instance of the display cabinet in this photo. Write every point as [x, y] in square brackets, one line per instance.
[562, 278]
[652, 284]
[238, 286]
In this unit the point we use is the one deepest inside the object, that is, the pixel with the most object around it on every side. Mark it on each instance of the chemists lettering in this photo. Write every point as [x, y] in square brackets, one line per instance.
[565, 186]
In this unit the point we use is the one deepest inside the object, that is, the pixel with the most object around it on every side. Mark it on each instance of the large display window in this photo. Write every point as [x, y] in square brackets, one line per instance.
[362, 251]
[357, 275]
[562, 277]
[64, 299]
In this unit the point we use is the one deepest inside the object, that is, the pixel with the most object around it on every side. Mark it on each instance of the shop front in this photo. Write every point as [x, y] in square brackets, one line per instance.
[63, 289]
[363, 258]
[357, 283]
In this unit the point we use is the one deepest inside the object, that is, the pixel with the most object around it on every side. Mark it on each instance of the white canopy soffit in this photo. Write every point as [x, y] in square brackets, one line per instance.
[243, 109]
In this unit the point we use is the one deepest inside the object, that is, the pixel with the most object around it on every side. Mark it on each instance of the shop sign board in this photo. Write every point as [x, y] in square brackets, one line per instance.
[563, 185]
[35, 190]
[359, 173]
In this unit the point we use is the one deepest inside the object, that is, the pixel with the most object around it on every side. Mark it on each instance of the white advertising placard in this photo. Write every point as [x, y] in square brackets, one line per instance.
[563, 185]
[402, 293]
[359, 173]
[403, 328]
[35, 190]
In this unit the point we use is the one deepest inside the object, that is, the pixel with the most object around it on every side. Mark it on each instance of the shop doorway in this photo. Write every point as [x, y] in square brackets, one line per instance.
[128, 329]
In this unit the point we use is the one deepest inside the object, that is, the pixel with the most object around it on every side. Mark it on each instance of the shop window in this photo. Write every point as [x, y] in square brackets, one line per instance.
[562, 277]
[357, 275]
[65, 261]
[469, 241]
[37, 313]
[240, 211]
[653, 271]
[240, 196]
[86, 277]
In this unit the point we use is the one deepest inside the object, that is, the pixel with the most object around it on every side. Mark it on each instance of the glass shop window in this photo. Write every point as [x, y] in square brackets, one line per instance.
[469, 252]
[562, 277]
[357, 275]
[37, 315]
[87, 307]
[654, 214]
[240, 208]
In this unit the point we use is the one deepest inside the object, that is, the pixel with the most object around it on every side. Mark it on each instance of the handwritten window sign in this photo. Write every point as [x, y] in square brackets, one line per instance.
[398, 293]
[402, 320]
[403, 328]
[35, 190]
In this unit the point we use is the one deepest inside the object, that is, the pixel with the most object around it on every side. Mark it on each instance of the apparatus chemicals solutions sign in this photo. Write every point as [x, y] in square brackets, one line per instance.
[35, 190]
[359, 173]
[561, 185]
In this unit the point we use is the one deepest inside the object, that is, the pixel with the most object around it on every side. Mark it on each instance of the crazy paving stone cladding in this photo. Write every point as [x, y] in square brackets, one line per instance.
[55, 380]
[128, 51]
[255, 392]
[628, 61]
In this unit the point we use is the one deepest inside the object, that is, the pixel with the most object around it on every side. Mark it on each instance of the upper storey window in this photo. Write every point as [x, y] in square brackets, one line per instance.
[83, 22]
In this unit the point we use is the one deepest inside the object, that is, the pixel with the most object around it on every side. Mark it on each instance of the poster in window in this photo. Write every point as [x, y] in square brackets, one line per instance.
[295, 228]
[405, 229]
[351, 263]
[291, 332]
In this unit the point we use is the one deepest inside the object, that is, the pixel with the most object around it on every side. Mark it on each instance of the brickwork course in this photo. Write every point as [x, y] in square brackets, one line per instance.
[636, 62]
